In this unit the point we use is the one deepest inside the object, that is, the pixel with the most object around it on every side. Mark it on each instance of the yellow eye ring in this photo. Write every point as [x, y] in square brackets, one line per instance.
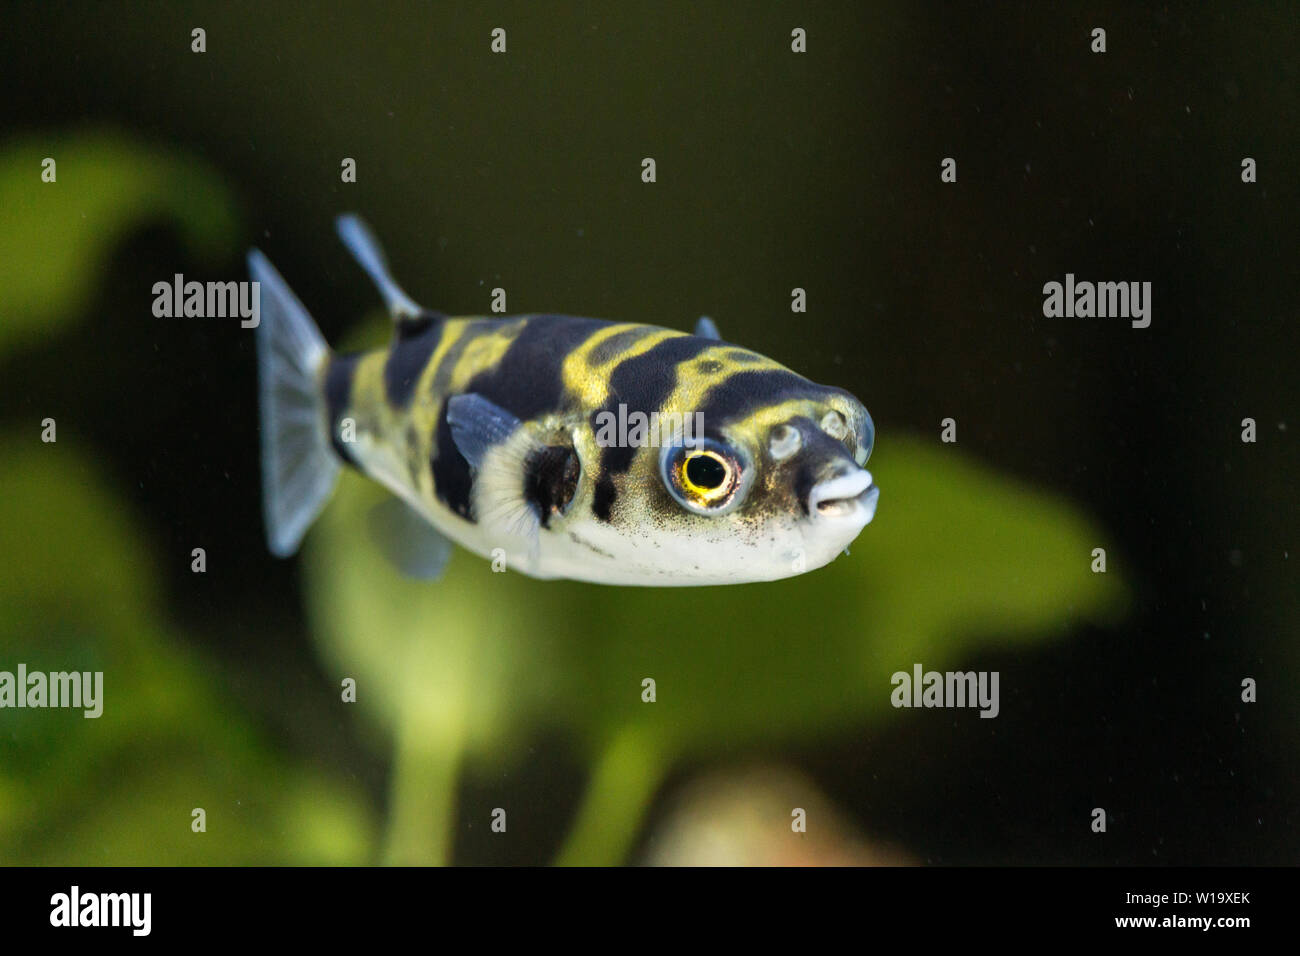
[706, 476]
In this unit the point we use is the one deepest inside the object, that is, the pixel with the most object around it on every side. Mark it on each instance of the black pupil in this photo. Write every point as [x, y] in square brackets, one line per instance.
[705, 471]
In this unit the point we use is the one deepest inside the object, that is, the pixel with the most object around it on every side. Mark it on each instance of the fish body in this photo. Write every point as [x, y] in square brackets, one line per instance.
[510, 436]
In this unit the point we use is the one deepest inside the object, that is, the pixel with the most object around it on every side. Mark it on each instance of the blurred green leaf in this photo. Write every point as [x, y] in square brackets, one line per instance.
[56, 237]
[120, 788]
[957, 558]
[441, 667]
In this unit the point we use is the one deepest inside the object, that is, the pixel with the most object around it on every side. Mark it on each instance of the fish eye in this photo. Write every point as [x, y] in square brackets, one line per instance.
[707, 478]
[704, 472]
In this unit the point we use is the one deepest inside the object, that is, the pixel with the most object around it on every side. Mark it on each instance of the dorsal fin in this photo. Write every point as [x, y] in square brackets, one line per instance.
[411, 318]
[705, 328]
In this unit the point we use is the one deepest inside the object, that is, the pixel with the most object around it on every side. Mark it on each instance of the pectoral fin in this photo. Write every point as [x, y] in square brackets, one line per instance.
[520, 480]
[478, 425]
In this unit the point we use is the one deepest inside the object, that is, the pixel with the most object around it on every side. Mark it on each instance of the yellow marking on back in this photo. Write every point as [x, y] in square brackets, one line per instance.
[483, 353]
[424, 404]
[377, 442]
[758, 422]
[590, 384]
[368, 404]
[693, 385]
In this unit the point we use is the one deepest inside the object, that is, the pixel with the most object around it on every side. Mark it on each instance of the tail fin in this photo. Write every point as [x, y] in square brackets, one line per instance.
[299, 466]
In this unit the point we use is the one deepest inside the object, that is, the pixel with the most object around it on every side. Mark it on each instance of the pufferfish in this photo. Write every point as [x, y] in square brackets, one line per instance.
[494, 433]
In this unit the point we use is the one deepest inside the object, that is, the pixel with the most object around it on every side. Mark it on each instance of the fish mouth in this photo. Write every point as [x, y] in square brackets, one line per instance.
[848, 495]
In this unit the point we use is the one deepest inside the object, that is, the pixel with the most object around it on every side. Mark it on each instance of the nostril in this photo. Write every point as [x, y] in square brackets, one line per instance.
[784, 442]
[834, 424]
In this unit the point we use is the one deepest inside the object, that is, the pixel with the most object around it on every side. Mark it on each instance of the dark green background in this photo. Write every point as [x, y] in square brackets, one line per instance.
[774, 171]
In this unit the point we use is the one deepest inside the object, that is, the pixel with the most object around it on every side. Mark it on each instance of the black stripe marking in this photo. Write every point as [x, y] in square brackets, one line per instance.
[418, 325]
[452, 478]
[643, 383]
[528, 381]
[616, 344]
[451, 474]
[803, 485]
[338, 396]
[804, 479]
[475, 331]
[741, 393]
[602, 504]
[406, 360]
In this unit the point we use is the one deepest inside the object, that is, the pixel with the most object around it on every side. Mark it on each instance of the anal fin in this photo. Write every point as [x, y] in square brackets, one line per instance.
[406, 539]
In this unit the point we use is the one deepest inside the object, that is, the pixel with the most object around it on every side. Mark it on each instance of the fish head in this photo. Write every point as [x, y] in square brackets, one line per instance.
[786, 481]
[769, 487]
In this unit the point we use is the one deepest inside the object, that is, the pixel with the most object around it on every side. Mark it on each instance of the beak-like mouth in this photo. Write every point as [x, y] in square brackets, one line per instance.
[845, 496]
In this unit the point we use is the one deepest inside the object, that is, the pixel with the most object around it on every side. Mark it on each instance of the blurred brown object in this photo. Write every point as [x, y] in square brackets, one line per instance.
[747, 818]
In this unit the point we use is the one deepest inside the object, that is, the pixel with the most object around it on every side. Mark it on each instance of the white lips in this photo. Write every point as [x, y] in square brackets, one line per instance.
[844, 496]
